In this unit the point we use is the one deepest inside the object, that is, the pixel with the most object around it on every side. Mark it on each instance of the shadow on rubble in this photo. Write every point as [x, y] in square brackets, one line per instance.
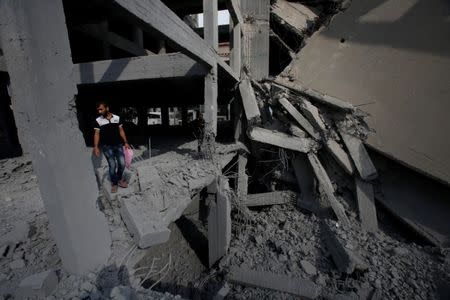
[195, 238]
[108, 278]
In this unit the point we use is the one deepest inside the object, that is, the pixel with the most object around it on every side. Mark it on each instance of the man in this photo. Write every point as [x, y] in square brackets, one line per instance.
[199, 130]
[109, 134]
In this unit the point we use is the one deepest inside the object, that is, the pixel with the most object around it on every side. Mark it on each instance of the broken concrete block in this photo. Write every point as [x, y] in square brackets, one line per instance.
[271, 198]
[18, 234]
[340, 155]
[296, 286]
[143, 221]
[38, 285]
[249, 102]
[311, 112]
[297, 16]
[360, 157]
[301, 120]
[366, 204]
[282, 140]
[328, 188]
[346, 260]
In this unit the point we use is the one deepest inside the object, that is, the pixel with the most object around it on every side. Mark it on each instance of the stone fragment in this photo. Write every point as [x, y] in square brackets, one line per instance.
[18, 234]
[17, 264]
[308, 267]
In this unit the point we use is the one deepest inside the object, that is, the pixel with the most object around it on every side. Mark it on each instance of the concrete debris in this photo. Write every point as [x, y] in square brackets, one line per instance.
[38, 285]
[271, 198]
[18, 234]
[296, 286]
[346, 260]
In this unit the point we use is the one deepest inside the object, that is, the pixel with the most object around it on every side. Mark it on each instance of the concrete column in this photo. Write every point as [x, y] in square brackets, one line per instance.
[235, 46]
[211, 35]
[106, 44]
[38, 57]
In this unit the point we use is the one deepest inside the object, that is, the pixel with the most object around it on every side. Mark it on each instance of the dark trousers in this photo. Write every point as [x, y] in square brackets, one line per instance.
[116, 161]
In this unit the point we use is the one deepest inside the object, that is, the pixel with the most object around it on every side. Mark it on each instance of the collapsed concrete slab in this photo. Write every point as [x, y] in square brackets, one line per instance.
[304, 288]
[360, 52]
[143, 221]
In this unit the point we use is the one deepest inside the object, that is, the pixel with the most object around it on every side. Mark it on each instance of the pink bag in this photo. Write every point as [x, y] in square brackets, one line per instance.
[128, 156]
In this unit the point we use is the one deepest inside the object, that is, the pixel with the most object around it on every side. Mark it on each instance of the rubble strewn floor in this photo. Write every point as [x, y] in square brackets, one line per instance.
[283, 240]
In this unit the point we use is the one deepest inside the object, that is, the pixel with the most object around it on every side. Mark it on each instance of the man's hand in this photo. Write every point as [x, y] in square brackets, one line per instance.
[126, 146]
[96, 151]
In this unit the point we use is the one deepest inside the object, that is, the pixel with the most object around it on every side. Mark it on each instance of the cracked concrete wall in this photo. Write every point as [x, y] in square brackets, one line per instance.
[37, 52]
[391, 58]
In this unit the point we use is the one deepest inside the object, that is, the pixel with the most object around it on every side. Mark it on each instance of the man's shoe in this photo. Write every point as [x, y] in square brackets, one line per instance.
[123, 184]
[114, 189]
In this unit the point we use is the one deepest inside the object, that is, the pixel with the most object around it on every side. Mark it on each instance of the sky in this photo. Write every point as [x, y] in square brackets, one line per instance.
[224, 18]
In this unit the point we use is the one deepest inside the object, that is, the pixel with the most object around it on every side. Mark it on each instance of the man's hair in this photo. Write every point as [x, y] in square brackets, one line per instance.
[101, 102]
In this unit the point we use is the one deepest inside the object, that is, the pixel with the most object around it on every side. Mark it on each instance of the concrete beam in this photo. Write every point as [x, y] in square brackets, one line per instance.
[304, 288]
[328, 188]
[305, 179]
[340, 155]
[360, 157]
[99, 32]
[315, 95]
[42, 93]
[137, 68]
[301, 120]
[270, 198]
[281, 140]
[366, 204]
[153, 15]
[249, 102]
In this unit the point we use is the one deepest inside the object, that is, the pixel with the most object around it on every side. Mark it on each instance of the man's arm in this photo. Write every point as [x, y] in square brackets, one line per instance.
[96, 141]
[124, 137]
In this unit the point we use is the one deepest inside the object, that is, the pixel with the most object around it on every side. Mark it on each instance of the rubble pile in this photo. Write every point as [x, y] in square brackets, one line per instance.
[312, 145]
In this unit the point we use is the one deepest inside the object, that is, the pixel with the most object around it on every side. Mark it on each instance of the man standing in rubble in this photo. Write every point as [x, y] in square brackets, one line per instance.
[109, 135]
[199, 130]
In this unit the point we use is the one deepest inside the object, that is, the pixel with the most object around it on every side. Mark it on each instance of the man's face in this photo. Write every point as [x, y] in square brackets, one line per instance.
[103, 110]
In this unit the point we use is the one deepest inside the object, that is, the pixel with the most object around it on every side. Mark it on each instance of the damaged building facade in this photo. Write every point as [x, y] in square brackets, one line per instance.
[323, 172]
